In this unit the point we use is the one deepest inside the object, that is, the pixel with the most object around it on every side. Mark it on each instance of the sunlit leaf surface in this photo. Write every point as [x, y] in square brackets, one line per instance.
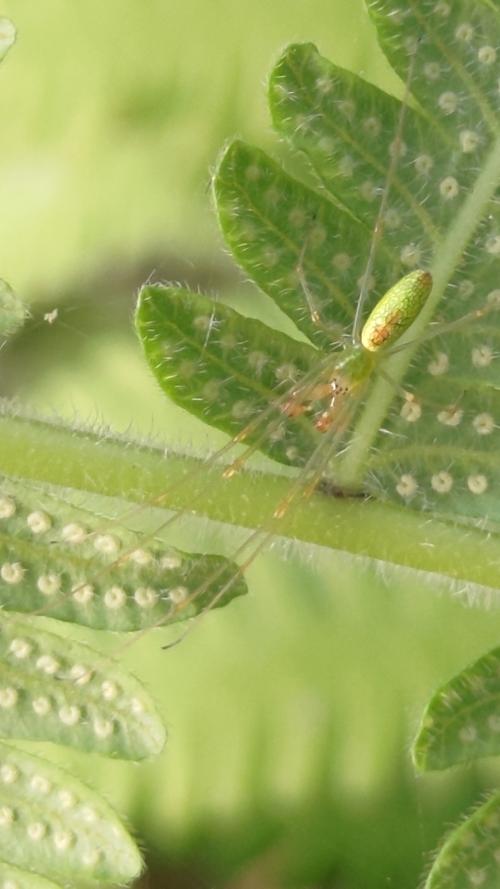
[462, 719]
[65, 563]
[54, 825]
[470, 857]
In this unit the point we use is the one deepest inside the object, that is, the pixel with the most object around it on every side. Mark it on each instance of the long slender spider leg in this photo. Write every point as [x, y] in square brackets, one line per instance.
[309, 296]
[408, 396]
[379, 221]
[412, 407]
[261, 537]
[441, 328]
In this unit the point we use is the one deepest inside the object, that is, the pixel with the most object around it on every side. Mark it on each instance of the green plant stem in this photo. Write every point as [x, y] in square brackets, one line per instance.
[51, 453]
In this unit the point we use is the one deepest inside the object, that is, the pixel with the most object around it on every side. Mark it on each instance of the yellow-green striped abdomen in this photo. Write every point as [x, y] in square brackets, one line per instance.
[396, 311]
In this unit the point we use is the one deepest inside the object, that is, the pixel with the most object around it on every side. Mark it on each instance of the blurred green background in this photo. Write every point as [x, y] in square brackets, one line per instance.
[291, 712]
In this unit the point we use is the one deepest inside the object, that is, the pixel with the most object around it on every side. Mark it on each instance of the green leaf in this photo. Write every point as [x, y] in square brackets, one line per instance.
[13, 313]
[441, 453]
[68, 564]
[55, 689]
[451, 455]
[469, 857]
[461, 721]
[267, 218]
[224, 368]
[55, 826]
[15, 878]
[346, 128]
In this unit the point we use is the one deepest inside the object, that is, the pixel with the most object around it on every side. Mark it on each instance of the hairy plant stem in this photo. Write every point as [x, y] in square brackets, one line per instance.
[46, 452]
